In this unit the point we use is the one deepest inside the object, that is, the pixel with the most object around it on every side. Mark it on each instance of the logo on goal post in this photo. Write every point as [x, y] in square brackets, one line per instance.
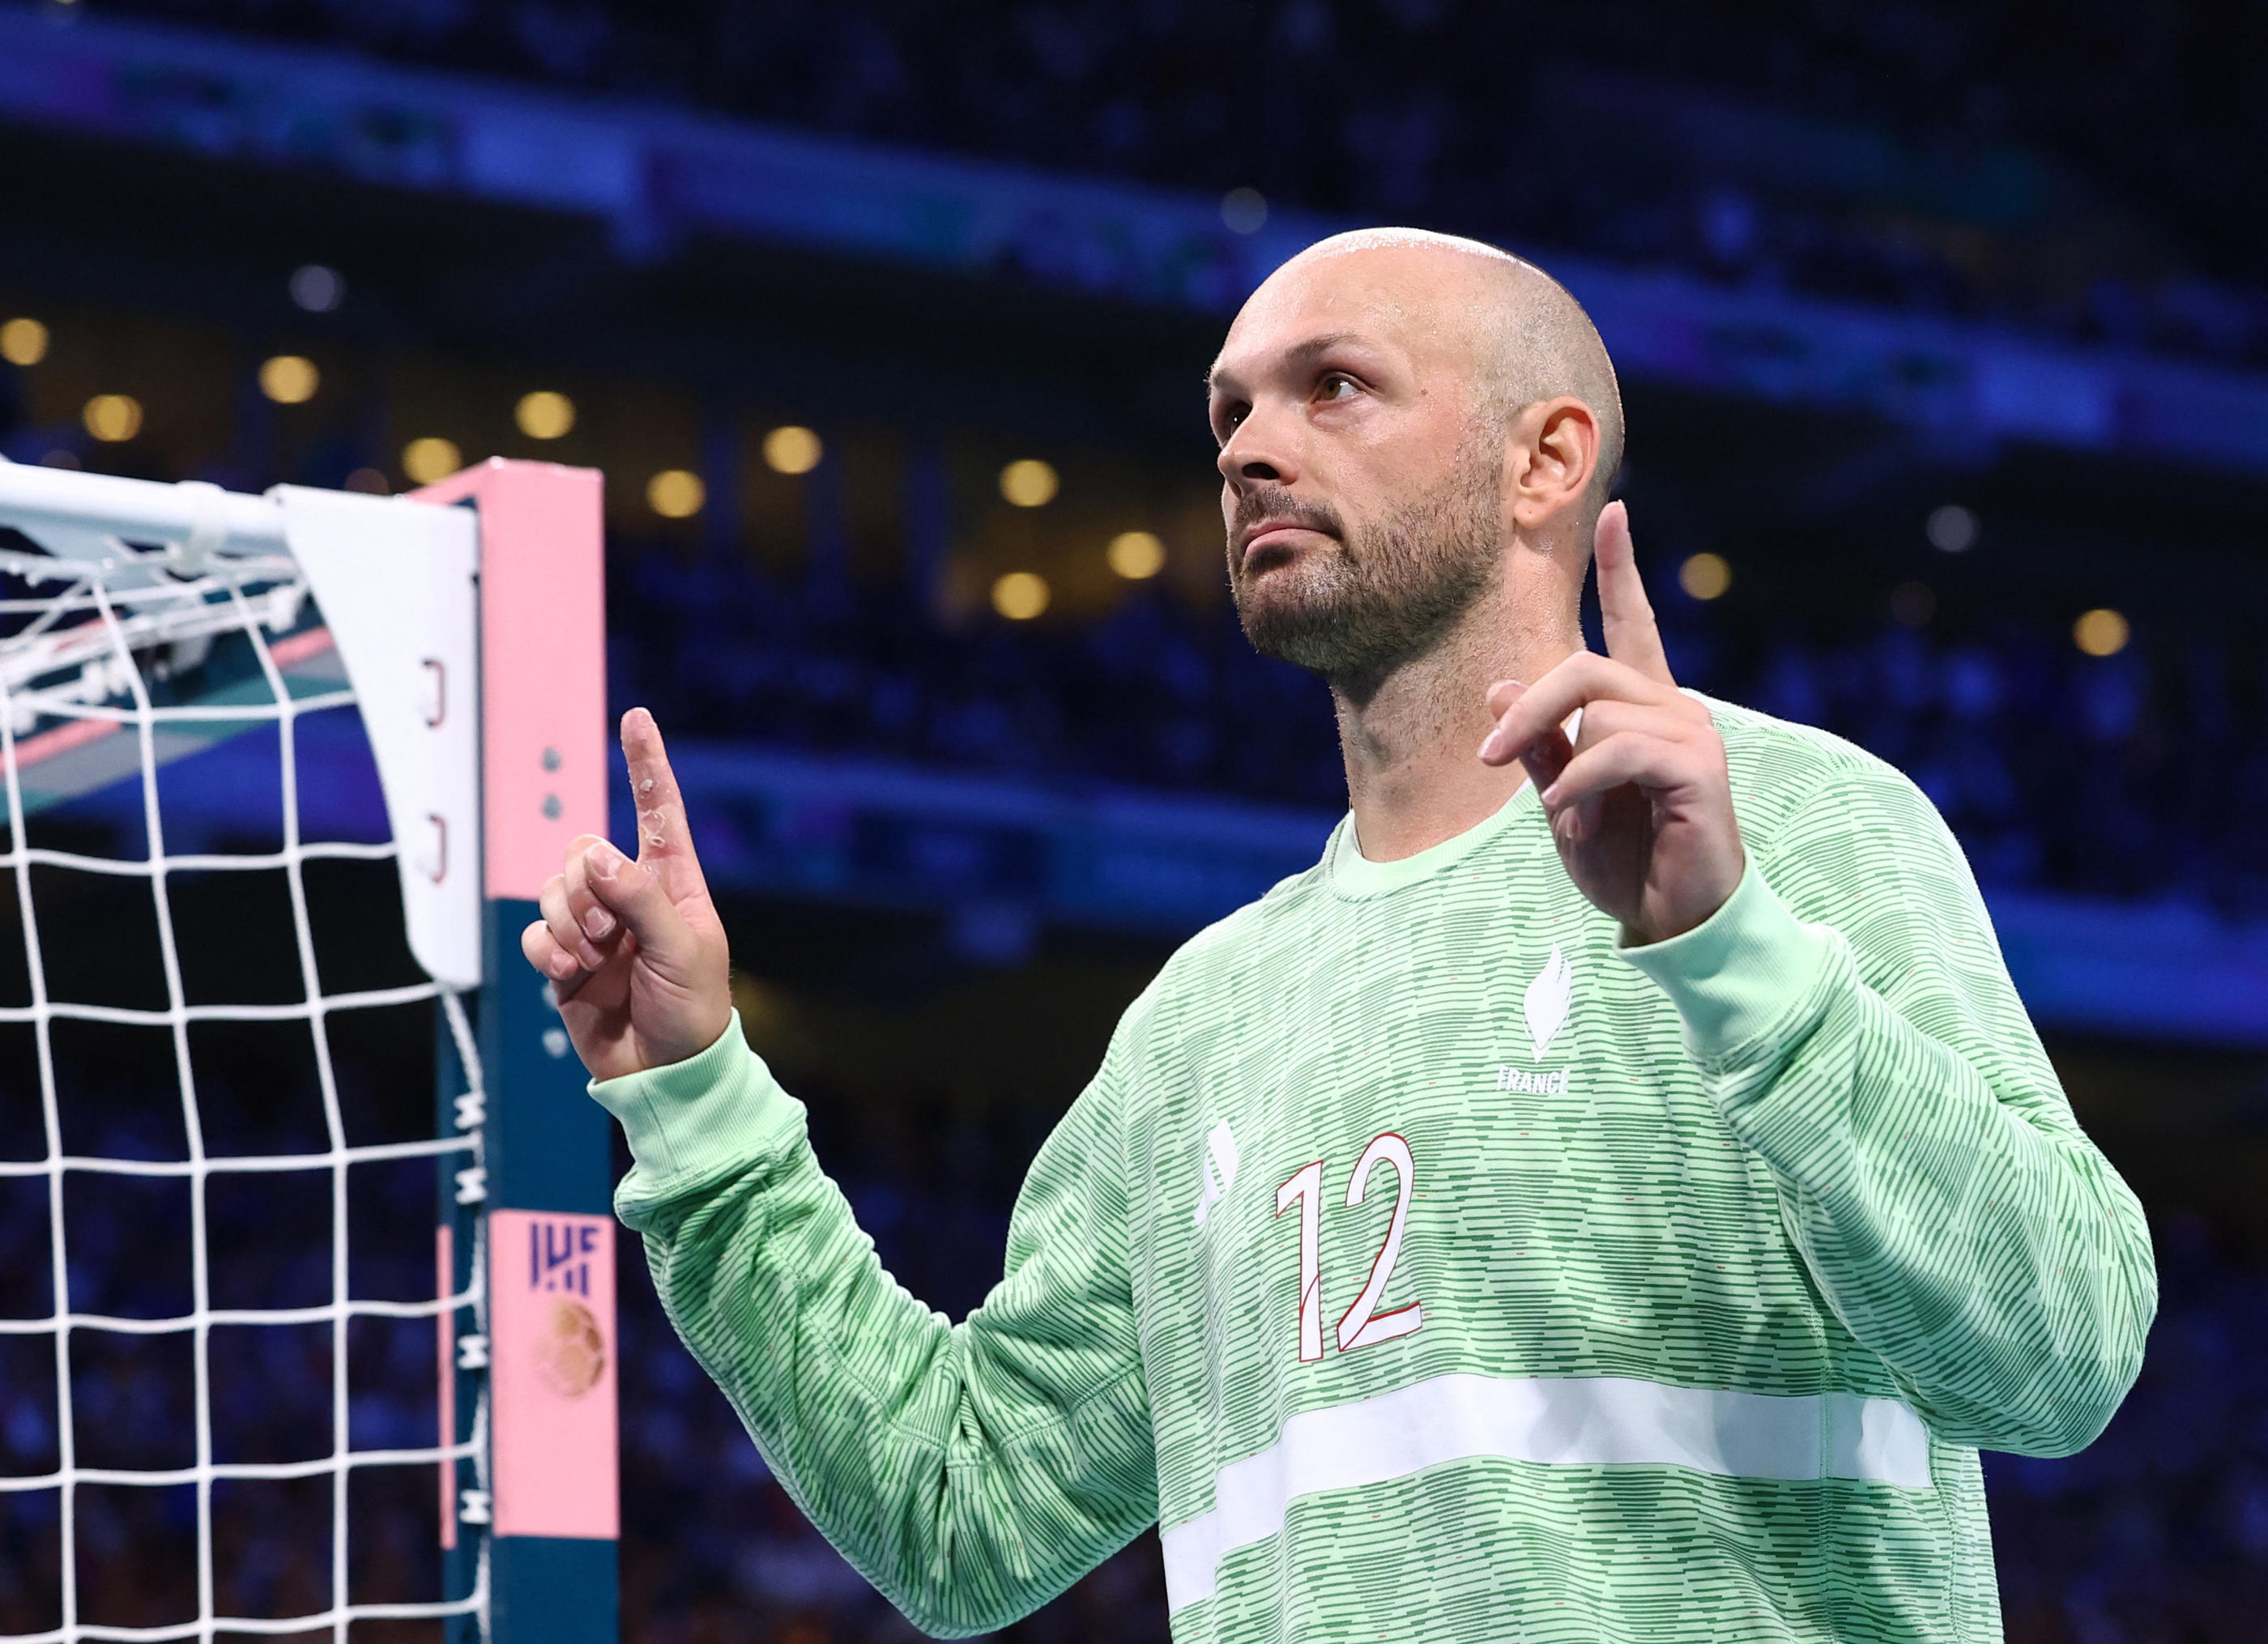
[551, 1361]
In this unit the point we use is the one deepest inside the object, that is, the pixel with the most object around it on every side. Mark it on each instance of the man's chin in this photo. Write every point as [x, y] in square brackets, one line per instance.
[1303, 632]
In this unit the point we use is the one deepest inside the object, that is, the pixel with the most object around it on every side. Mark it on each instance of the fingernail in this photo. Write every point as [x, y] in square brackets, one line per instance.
[1489, 745]
[1551, 796]
[562, 965]
[602, 860]
[599, 923]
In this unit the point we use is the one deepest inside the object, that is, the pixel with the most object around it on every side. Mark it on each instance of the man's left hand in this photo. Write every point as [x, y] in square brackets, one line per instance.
[1639, 803]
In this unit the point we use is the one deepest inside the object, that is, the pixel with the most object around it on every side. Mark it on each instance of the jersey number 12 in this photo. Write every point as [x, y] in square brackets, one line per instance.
[1361, 1326]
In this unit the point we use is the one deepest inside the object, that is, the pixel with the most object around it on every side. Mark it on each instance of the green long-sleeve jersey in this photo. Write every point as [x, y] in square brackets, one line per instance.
[1429, 1267]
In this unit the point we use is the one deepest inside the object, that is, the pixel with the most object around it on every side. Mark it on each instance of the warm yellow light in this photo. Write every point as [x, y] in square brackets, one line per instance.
[113, 417]
[544, 415]
[2101, 633]
[1029, 483]
[676, 494]
[430, 458]
[1136, 554]
[1704, 575]
[1020, 596]
[23, 342]
[290, 380]
[792, 450]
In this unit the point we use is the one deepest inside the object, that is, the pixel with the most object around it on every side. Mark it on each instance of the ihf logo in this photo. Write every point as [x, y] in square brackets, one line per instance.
[559, 1256]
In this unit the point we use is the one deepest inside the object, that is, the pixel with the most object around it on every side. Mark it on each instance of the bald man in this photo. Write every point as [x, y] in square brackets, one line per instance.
[1612, 1196]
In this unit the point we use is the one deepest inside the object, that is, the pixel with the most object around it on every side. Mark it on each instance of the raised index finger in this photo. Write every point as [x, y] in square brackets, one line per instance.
[665, 842]
[1625, 613]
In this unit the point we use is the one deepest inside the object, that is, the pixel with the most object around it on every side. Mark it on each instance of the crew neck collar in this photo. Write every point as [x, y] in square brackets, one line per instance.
[1354, 875]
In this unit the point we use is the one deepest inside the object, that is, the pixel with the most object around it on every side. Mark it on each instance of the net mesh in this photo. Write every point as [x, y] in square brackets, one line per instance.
[178, 1157]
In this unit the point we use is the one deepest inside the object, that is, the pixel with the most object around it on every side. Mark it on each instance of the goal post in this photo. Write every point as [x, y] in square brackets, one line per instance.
[550, 1361]
[147, 624]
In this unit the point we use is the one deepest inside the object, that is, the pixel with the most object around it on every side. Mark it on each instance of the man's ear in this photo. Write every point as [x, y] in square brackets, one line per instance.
[1551, 455]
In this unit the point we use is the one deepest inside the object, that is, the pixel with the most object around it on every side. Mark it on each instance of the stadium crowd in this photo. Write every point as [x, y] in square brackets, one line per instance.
[2139, 774]
[1892, 153]
[2057, 168]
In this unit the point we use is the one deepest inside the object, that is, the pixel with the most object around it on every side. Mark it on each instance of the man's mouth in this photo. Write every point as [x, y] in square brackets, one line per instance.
[1275, 540]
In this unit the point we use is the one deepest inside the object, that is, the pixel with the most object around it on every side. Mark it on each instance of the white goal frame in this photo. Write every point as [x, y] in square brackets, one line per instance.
[436, 611]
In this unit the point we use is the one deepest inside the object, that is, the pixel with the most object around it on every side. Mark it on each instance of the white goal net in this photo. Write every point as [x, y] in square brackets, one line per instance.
[219, 1149]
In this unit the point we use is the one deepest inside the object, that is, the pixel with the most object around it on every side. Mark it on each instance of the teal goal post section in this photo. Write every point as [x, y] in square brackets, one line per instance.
[530, 1361]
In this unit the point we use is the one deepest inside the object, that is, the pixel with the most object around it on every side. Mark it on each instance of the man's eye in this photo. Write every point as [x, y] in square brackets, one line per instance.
[1337, 386]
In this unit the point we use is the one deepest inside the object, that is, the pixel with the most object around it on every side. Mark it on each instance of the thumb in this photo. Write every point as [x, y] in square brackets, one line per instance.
[635, 896]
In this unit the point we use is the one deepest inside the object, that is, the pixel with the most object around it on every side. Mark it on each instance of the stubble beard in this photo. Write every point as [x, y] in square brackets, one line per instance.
[1389, 593]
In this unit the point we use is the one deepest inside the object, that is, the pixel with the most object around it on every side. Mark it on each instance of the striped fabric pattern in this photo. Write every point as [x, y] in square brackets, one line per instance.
[1676, 1294]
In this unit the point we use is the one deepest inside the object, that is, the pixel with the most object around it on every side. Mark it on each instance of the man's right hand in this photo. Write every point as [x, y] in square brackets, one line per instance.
[634, 949]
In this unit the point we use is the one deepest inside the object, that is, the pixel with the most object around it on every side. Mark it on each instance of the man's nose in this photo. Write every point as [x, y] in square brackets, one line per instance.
[1258, 454]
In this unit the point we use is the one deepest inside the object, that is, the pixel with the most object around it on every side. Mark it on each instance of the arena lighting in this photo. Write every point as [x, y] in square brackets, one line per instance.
[1913, 605]
[1704, 575]
[1136, 554]
[23, 341]
[792, 450]
[2101, 633]
[1029, 483]
[430, 458]
[544, 415]
[318, 290]
[676, 494]
[1243, 210]
[290, 380]
[1952, 529]
[370, 481]
[1020, 596]
[113, 418]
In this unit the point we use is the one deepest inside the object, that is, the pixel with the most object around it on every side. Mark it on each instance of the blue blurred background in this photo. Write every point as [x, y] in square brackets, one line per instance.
[1944, 331]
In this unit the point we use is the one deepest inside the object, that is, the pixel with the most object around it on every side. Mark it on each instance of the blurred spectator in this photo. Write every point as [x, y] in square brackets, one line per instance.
[2057, 770]
[2080, 172]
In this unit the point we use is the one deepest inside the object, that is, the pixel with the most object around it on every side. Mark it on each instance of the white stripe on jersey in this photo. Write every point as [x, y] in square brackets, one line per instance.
[1587, 1421]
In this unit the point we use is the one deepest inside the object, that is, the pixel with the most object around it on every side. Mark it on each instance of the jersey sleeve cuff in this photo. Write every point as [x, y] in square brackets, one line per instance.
[1742, 978]
[694, 1117]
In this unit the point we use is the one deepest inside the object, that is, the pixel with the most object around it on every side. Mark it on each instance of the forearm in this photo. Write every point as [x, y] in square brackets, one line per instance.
[1993, 1261]
[970, 1473]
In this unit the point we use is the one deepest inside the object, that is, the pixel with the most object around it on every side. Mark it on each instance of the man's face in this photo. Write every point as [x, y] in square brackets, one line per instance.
[1361, 484]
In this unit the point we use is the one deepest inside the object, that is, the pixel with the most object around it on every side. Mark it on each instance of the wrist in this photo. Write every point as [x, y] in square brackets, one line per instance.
[696, 1035]
[1689, 913]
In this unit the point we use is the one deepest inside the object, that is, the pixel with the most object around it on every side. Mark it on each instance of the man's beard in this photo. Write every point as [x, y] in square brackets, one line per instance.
[1389, 592]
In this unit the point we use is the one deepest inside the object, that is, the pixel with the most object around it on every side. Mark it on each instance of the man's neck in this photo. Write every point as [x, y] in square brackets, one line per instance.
[1414, 774]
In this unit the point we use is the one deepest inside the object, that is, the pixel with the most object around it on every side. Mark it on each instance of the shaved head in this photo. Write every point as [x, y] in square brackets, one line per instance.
[1530, 340]
[1410, 424]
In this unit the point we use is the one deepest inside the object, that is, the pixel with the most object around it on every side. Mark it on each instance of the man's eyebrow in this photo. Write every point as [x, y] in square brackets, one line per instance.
[1298, 354]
